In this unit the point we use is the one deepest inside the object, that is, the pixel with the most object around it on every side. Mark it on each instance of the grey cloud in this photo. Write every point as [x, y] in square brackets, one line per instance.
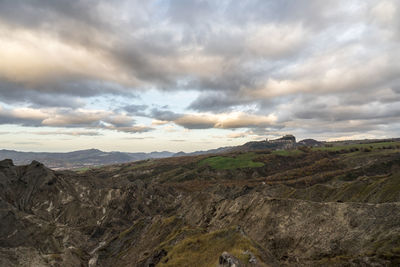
[314, 13]
[63, 18]
[224, 121]
[216, 102]
[58, 93]
[231, 81]
[84, 87]
[342, 67]
[385, 94]
[138, 110]
[19, 121]
[164, 115]
[7, 117]
[77, 118]
[34, 12]
[325, 129]
[130, 129]
[195, 123]
[185, 120]
[138, 138]
[149, 57]
[366, 111]
[152, 58]
[73, 133]
[68, 118]
[189, 12]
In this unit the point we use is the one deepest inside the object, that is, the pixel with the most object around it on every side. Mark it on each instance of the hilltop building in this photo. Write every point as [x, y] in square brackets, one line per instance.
[287, 138]
[286, 142]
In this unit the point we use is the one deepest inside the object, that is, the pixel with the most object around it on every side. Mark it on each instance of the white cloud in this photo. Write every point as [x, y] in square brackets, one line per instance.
[275, 40]
[225, 120]
[384, 12]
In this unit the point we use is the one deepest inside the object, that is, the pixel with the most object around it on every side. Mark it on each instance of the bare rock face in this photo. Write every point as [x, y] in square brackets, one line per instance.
[6, 163]
[227, 260]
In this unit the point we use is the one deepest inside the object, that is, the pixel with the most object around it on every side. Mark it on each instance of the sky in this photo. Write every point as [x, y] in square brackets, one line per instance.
[184, 75]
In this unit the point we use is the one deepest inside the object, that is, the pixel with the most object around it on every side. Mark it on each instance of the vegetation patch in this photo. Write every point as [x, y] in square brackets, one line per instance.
[228, 163]
[140, 164]
[349, 148]
[287, 153]
[204, 249]
[85, 169]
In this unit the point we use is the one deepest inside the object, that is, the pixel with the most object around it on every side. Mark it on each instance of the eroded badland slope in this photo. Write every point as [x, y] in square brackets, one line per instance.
[334, 206]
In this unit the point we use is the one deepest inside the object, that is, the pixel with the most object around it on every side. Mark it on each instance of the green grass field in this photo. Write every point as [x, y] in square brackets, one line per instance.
[85, 169]
[228, 163]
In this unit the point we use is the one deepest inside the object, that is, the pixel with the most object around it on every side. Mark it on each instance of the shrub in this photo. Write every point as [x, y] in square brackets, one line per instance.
[305, 149]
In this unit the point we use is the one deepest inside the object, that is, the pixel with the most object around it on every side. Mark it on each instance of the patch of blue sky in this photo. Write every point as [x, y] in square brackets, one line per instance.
[176, 101]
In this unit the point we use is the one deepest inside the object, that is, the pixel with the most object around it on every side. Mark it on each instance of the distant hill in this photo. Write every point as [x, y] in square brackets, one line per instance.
[94, 157]
[310, 142]
[79, 159]
[204, 152]
[284, 143]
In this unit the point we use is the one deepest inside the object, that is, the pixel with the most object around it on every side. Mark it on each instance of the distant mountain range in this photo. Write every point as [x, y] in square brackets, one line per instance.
[91, 157]
[79, 159]
[95, 157]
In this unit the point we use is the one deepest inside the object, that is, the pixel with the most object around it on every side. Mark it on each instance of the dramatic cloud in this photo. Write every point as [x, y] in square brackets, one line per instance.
[225, 121]
[71, 118]
[54, 133]
[309, 67]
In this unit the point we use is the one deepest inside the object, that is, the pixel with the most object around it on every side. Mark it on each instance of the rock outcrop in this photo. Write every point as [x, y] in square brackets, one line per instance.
[227, 260]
